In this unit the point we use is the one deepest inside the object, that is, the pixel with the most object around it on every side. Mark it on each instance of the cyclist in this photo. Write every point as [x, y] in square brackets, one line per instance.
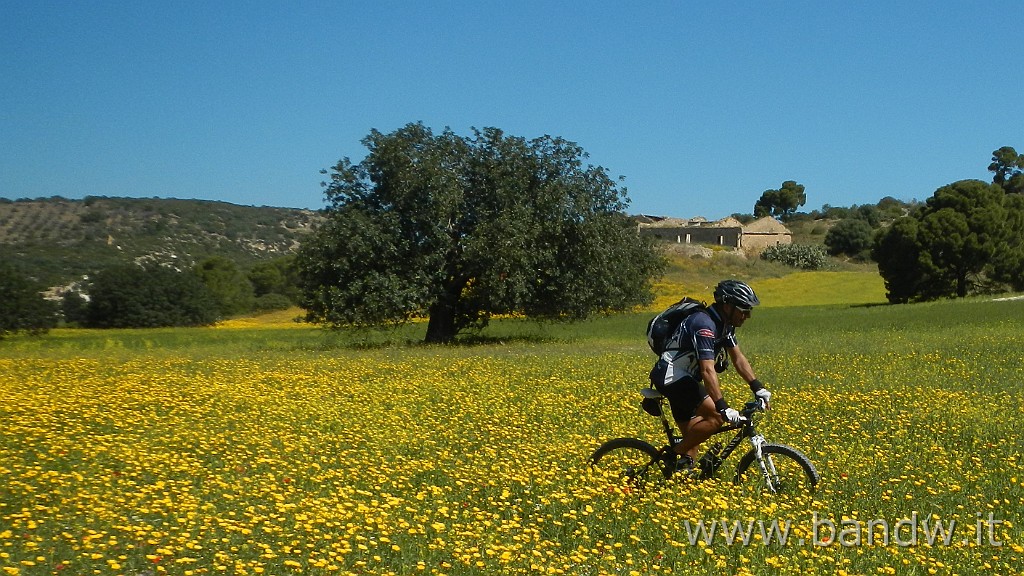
[687, 373]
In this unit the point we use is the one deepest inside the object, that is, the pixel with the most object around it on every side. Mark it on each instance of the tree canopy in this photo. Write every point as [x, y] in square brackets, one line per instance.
[1008, 170]
[230, 287]
[966, 235]
[462, 228]
[781, 203]
[22, 306]
[850, 236]
[131, 296]
[277, 276]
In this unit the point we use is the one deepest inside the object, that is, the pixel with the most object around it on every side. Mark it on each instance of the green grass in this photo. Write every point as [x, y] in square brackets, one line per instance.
[821, 288]
[775, 284]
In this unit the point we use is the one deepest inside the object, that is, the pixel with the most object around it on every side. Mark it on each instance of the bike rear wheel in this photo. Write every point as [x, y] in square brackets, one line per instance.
[631, 461]
[781, 470]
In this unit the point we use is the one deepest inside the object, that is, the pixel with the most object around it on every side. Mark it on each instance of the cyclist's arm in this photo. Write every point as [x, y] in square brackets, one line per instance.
[742, 365]
[710, 377]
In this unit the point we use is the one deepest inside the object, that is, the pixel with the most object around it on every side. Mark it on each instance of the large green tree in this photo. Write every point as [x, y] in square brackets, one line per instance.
[1008, 262]
[963, 226]
[948, 247]
[462, 228]
[781, 203]
[898, 253]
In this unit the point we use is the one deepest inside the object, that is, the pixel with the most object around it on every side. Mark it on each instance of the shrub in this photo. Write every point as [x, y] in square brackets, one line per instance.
[802, 256]
[272, 302]
[852, 236]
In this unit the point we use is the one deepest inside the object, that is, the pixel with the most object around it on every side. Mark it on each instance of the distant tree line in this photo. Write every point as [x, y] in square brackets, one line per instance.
[967, 238]
[149, 296]
[22, 306]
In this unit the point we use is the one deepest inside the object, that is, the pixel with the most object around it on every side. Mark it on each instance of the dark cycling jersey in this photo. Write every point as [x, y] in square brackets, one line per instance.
[702, 336]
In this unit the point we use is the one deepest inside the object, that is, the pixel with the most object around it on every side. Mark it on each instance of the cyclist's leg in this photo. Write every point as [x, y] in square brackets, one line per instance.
[705, 422]
[686, 398]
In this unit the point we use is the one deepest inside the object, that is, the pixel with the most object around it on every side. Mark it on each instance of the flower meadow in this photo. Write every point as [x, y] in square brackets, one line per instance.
[251, 450]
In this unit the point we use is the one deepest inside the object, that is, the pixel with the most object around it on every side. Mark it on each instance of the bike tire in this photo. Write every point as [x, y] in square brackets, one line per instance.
[793, 472]
[632, 459]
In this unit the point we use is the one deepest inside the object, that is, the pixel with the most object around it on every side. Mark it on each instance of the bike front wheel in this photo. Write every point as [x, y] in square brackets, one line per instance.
[631, 461]
[781, 470]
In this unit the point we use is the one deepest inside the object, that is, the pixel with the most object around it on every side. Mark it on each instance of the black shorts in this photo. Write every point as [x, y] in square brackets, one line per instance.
[684, 396]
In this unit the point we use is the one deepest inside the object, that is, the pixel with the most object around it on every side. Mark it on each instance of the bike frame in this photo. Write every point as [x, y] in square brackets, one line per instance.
[745, 430]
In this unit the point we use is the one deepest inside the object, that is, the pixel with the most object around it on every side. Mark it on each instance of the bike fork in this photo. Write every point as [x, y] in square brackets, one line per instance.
[768, 471]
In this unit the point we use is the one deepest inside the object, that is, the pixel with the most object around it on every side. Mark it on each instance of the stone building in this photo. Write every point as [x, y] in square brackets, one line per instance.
[727, 232]
[765, 232]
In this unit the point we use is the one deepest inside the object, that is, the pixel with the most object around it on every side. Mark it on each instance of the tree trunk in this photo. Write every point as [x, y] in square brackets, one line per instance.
[441, 326]
[961, 284]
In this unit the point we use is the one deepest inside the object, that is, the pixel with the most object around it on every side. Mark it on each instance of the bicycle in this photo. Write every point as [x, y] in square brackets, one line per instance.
[779, 468]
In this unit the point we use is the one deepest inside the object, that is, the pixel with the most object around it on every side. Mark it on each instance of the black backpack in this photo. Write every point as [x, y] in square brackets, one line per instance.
[661, 328]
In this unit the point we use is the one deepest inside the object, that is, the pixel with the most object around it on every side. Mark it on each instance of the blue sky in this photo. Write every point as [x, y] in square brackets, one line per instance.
[701, 106]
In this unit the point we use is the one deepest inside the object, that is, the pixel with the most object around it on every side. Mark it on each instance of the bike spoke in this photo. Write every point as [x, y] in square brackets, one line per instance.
[629, 462]
[780, 470]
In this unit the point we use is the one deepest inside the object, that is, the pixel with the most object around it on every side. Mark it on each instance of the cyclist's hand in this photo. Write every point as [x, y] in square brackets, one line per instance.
[731, 415]
[764, 397]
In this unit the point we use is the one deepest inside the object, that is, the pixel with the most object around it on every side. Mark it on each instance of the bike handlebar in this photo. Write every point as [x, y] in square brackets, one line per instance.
[750, 408]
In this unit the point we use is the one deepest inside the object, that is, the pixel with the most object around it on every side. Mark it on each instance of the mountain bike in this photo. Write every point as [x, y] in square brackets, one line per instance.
[766, 467]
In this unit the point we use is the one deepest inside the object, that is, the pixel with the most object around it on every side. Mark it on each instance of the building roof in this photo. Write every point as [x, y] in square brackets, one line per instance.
[766, 225]
[695, 222]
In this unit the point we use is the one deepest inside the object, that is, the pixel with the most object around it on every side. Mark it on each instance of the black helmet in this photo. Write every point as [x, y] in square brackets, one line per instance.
[736, 293]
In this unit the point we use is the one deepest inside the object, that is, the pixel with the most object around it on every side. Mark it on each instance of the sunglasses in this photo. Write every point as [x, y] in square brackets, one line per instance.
[743, 310]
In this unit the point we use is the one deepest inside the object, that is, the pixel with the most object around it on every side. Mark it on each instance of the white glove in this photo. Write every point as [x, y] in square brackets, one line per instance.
[764, 396]
[732, 416]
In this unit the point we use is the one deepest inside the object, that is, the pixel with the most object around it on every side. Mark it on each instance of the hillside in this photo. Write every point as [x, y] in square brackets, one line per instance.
[58, 240]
